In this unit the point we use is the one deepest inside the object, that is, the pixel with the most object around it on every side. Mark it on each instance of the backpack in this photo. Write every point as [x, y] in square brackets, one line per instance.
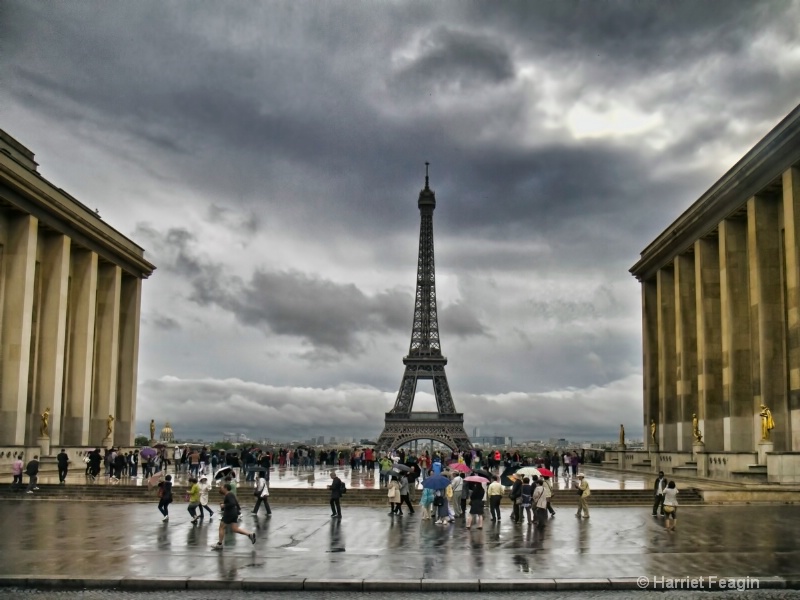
[342, 488]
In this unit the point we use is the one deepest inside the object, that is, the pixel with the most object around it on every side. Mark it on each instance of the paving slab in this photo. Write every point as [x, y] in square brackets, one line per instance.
[79, 544]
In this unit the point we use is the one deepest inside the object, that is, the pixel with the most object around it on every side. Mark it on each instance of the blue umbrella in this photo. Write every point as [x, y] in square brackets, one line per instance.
[148, 452]
[436, 482]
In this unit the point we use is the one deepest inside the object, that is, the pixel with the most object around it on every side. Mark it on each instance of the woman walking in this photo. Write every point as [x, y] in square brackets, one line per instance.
[426, 501]
[262, 493]
[165, 496]
[475, 505]
[404, 493]
[194, 500]
[671, 506]
[394, 497]
[204, 489]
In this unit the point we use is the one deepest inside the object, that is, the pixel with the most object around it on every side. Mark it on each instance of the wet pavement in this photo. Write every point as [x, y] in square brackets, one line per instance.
[83, 540]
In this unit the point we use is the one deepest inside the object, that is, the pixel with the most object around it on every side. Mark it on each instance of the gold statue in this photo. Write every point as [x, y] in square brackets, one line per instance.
[621, 434]
[653, 429]
[109, 425]
[767, 424]
[44, 428]
[152, 429]
[698, 437]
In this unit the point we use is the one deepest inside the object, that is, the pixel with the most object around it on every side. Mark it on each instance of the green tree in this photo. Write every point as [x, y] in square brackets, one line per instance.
[141, 441]
[222, 446]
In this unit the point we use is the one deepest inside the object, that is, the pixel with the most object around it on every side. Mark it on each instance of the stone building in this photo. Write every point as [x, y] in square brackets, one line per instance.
[721, 323]
[70, 294]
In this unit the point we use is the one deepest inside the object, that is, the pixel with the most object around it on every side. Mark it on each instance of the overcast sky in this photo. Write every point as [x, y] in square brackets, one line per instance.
[268, 156]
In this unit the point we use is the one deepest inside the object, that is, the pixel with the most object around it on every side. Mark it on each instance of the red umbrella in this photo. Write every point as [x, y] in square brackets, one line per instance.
[460, 467]
[545, 472]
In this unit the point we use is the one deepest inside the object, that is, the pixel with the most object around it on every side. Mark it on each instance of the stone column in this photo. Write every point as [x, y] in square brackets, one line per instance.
[734, 302]
[55, 285]
[791, 223]
[106, 357]
[667, 383]
[131, 298]
[686, 345]
[650, 356]
[81, 325]
[766, 322]
[20, 266]
[709, 343]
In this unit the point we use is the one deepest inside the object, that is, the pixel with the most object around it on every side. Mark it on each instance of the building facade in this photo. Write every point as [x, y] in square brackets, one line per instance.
[70, 295]
[721, 324]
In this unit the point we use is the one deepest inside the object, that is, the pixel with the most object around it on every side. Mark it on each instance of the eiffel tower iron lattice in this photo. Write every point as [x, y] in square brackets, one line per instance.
[424, 360]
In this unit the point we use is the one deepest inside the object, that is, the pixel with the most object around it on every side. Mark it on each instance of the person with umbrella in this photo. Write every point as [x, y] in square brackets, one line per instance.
[394, 497]
[458, 486]
[548, 494]
[204, 489]
[475, 504]
[404, 492]
[426, 501]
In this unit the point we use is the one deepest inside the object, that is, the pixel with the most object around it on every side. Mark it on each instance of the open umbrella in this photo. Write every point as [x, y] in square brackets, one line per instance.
[153, 480]
[436, 482]
[482, 473]
[476, 479]
[507, 477]
[545, 472]
[401, 467]
[460, 467]
[222, 473]
[527, 471]
[148, 452]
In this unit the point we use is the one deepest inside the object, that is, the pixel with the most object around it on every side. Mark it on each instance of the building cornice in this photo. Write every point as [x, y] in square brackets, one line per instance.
[30, 193]
[761, 166]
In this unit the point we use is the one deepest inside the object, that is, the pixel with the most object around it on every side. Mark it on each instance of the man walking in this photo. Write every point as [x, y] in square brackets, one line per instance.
[230, 516]
[583, 500]
[63, 464]
[16, 471]
[336, 488]
[32, 471]
[658, 491]
[495, 493]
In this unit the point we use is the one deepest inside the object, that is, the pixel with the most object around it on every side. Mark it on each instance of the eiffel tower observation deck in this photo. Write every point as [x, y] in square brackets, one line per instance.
[424, 360]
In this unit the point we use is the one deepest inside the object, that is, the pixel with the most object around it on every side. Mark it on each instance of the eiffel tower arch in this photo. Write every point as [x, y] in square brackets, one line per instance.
[424, 360]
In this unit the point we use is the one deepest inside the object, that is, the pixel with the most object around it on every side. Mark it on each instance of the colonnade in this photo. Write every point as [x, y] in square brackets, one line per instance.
[70, 329]
[721, 325]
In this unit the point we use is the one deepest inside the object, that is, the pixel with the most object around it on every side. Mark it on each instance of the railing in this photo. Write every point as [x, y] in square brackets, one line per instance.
[424, 416]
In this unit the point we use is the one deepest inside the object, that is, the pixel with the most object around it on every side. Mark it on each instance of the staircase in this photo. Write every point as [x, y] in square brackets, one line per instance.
[754, 474]
[111, 494]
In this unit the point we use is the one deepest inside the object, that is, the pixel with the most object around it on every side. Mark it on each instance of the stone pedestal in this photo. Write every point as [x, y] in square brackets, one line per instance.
[44, 445]
[764, 447]
[621, 464]
[701, 458]
[107, 443]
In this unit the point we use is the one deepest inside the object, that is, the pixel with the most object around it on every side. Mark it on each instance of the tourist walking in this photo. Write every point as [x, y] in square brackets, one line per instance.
[540, 503]
[16, 472]
[547, 486]
[230, 515]
[475, 505]
[583, 498]
[204, 489]
[426, 502]
[458, 488]
[671, 506]
[262, 495]
[516, 500]
[194, 500]
[659, 487]
[394, 497]
[337, 488]
[63, 466]
[495, 493]
[527, 498]
[404, 493]
[165, 496]
[32, 471]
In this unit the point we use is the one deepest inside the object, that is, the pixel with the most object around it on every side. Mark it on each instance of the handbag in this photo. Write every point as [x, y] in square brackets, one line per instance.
[669, 509]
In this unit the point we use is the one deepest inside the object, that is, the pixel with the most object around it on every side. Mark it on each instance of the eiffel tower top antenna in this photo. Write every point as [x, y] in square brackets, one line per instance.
[426, 175]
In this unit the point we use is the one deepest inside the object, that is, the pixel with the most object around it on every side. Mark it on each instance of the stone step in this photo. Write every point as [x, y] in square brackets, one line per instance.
[757, 468]
[750, 476]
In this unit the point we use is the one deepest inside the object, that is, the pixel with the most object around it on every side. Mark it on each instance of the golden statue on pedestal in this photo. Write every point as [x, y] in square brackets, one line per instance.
[44, 428]
[653, 430]
[767, 424]
[698, 437]
[152, 429]
[109, 425]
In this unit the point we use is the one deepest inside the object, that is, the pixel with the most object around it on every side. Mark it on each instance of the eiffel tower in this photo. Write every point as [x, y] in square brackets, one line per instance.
[424, 360]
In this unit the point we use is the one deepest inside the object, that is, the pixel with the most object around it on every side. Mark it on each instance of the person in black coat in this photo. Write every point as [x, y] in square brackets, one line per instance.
[336, 487]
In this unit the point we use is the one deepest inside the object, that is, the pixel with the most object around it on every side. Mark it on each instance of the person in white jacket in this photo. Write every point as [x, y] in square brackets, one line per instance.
[204, 489]
[262, 495]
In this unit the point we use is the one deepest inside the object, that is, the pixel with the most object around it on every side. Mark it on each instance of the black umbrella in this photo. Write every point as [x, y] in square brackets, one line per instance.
[504, 476]
[483, 473]
[222, 473]
[399, 467]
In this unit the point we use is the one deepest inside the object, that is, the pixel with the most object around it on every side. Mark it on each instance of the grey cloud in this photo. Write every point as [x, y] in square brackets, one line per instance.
[456, 61]
[459, 319]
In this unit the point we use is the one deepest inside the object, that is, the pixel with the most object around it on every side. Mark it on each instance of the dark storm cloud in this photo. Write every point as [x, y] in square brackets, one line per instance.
[455, 60]
[328, 315]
